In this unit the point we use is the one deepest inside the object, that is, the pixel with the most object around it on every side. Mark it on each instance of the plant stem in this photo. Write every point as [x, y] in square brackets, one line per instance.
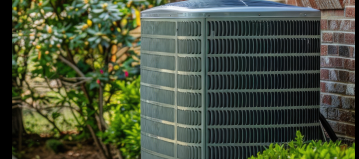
[97, 142]
[100, 105]
[103, 150]
[50, 121]
[63, 59]
[20, 129]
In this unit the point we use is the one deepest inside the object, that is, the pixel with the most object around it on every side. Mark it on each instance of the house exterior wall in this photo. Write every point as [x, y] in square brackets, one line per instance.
[337, 63]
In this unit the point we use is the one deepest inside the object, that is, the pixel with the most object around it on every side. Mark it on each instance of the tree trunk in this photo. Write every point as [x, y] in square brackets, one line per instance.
[17, 124]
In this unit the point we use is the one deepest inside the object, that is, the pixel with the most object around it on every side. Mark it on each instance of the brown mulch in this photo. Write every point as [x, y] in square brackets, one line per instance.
[85, 149]
[74, 152]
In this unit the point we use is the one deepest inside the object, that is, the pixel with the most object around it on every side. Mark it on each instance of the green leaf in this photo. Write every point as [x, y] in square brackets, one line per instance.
[93, 85]
[97, 10]
[91, 31]
[47, 8]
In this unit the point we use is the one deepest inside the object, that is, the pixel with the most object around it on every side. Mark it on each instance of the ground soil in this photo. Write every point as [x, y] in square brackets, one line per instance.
[72, 152]
[85, 149]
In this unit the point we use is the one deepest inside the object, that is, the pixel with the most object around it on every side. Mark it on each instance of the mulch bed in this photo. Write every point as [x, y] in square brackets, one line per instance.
[75, 152]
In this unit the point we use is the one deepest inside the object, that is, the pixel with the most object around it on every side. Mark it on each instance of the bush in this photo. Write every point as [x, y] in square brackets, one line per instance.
[124, 130]
[55, 145]
[311, 150]
[77, 53]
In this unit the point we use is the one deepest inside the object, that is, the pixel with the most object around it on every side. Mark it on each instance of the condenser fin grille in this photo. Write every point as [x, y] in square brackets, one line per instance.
[157, 128]
[158, 28]
[156, 111]
[263, 28]
[158, 146]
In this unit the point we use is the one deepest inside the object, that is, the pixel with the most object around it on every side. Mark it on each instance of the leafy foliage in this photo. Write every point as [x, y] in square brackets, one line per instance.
[312, 150]
[125, 129]
[54, 145]
[79, 55]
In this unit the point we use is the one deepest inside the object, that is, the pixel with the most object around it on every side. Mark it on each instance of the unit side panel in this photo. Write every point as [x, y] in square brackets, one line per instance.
[262, 83]
[171, 88]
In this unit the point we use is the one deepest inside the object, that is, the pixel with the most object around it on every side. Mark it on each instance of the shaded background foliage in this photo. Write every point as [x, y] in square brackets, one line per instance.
[75, 73]
[75, 77]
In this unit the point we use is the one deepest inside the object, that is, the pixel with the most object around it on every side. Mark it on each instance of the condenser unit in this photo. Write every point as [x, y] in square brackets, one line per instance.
[222, 79]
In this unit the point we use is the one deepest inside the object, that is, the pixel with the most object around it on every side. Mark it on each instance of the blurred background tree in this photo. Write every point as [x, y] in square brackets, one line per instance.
[75, 66]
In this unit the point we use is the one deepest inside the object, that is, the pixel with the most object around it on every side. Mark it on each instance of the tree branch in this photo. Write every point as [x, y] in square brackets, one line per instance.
[64, 60]
[52, 122]
[102, 151]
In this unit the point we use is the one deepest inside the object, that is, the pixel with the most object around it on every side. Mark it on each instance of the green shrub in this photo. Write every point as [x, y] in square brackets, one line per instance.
[312, 150]
[13, 151]
[124, 130]
[55, 145]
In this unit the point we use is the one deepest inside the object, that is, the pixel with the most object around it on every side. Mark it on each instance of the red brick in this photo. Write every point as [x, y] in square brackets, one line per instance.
[324, 74]
[345, 2]
[328, 13]
[339, 88]
[333, 50]
[324, 111]
[333, 113]
[336, 37]
[345, 25]
[350, 12]
[338, 62]
[329, 4]
[334, 24]
[292, 2]
[349, 64]
[324, 13]
[341, 38]
[345, 115]
[336, 101]
[352, 25]
[343, 76]
[342, 128]
[341, 3]
[348, 102]
[331, 62]
[334, 125]
[327, 37]
[313, 4]
[350, 130]
[300, 3]
[322, 87]
[344, 51]
[352, 2]
[352, 115]
[324, 24]
[350, 89]
[327, 100]
[324, 50]
[351, 51]
[349, 38]
[339, 13]
[333, 75]
[352, 77]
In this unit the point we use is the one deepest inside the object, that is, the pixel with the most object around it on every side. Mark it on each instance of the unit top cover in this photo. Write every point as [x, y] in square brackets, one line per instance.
[206, 8]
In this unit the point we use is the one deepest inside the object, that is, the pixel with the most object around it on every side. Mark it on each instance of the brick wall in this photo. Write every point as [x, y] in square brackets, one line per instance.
[337, 63]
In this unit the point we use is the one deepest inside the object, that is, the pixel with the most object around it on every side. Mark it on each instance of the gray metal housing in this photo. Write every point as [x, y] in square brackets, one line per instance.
[221, 79]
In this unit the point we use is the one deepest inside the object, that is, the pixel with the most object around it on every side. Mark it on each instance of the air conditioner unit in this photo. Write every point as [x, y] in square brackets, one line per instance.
[222, 79]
